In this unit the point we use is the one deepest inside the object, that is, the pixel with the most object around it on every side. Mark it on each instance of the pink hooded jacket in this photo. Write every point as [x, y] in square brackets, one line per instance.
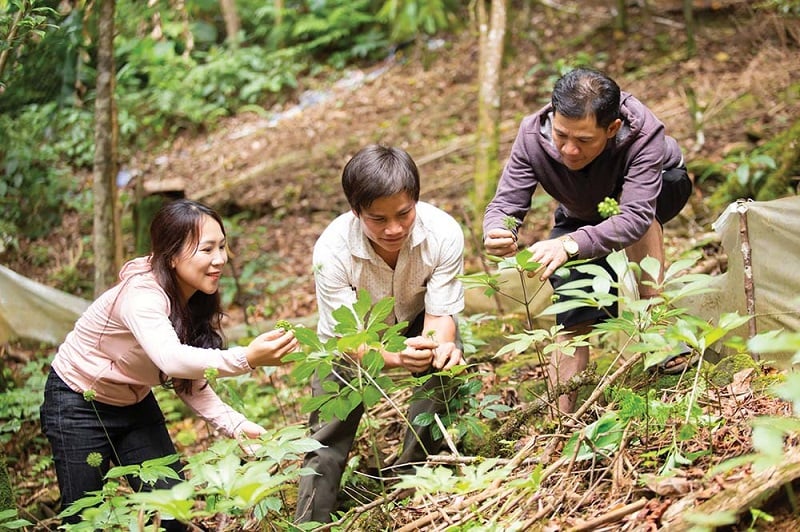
[123, 341]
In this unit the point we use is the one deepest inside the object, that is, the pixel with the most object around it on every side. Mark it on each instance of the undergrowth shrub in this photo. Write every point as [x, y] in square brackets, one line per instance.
[20, 400]
[162, 91]
[362, 382]
[226, 484]
[34, 182]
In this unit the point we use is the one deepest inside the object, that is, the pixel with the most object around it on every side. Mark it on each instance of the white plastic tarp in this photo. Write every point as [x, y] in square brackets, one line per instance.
[773, 235]
[34, 311]
[772, 231]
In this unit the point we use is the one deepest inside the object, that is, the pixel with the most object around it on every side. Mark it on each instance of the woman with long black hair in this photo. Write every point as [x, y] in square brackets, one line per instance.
[160, 325]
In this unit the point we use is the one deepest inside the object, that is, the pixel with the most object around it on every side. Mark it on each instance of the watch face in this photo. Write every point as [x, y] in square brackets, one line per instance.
[570, 246]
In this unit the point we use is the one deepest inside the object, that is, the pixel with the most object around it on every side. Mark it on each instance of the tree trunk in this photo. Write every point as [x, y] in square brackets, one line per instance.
[688, 16]
[492, 40]
[107, 233]
[232, 22]
[188, 36]
[12, 34]
[622, 16]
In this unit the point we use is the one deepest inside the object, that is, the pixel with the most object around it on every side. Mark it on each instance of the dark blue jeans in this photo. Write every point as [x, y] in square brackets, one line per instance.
[123, 435]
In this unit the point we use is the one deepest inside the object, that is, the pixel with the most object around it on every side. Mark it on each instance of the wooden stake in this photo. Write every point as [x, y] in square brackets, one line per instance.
[749, 290]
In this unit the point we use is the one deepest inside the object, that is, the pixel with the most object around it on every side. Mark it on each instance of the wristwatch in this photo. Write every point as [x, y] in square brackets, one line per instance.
[570, 246]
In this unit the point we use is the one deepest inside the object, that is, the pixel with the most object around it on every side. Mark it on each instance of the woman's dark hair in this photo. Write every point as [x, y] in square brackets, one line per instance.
[584, 92]
[175, 227]
[376, 172]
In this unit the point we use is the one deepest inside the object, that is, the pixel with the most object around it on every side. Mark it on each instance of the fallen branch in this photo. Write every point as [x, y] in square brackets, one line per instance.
[360, 510]
[610, 517]
[521, 417]
[605, 382]
[601, 388]
[462, 460]
[420, 523]
[744, 494]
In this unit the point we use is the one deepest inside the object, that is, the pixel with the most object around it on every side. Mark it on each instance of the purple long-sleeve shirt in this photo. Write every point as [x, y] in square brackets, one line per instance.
[635, 156]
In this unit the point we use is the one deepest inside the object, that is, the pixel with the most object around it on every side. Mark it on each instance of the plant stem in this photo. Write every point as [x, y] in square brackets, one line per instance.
[525, 297]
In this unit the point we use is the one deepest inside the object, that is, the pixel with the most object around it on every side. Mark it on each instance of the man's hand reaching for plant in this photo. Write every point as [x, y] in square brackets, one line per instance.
[447, 355]
[550, 254]
[418, 354]
[500, 243]
[423, 352]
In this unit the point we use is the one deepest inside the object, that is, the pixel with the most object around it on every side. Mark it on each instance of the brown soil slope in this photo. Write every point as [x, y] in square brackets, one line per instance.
[285, 173]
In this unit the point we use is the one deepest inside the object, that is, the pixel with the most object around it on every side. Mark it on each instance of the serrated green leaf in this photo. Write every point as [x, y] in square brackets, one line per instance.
[478, 280]
[593, 270]
[423, 419]
[354, 399]
[573, 285]
[678, 266]
[302, 372]
[686, 432]
[330, 386]
[373, 362]
[353, 342]
[121, 471]
[564, 306]
[619, 263]
[316, 403]
[743, 174]
[521, 344]
[371, 396]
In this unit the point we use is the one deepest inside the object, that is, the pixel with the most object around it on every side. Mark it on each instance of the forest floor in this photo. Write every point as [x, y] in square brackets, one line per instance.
[276, 174]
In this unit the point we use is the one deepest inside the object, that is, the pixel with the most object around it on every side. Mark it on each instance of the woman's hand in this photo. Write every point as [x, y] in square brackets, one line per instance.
[248, 430]
[267, 349]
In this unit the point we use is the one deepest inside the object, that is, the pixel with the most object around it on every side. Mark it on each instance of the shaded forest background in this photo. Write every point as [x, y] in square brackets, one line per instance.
[272, 162]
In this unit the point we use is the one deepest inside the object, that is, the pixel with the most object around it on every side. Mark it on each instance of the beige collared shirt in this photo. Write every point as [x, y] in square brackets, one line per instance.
[425, 277]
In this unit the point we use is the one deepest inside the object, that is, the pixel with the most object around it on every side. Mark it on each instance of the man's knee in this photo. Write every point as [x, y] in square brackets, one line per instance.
[676, 187]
